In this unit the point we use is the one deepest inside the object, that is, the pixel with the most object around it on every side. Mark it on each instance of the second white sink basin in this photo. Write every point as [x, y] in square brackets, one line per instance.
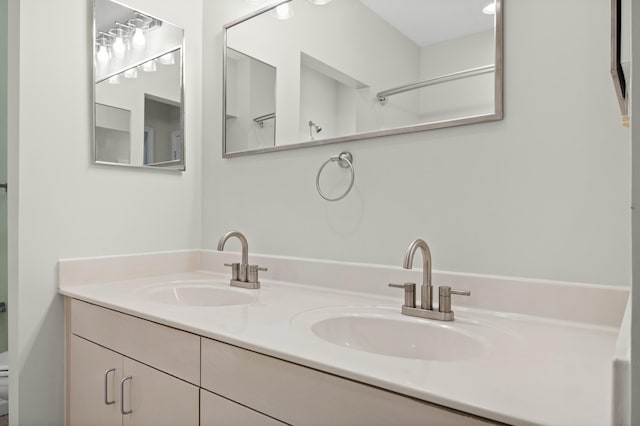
[435, 342]
[382, 330]
[193, 294]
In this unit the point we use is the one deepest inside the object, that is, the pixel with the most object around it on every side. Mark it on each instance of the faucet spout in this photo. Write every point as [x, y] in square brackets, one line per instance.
[426, 298]
[243, 241]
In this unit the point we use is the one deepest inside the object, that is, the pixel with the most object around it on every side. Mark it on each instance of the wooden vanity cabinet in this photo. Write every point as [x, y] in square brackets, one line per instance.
[218, 411]
[300, 395]
[179, 378]
[149, 397]
[102, 345]
[94, 378]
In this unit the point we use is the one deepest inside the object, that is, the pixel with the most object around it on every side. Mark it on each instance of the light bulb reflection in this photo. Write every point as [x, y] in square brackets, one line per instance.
[149, 66]
[489, 9]
[167, 59]
[284, 11]
[118, 47]
[131, 73]
[138, 40]
[103, 54]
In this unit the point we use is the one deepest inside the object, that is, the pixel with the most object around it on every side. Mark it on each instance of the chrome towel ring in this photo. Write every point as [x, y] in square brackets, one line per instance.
[344, 159]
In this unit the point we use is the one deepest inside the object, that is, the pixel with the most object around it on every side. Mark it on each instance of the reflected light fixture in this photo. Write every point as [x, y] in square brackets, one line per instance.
[489, 8]
[131, 73]
[167, 59]
[284, 11]
[319, 2]
[103, 54]
[118, 45]
[121, 37]
[138, 41]
[114, 79]
[149, 66]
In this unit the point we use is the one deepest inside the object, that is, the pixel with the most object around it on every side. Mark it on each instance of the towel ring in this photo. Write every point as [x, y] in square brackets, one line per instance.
[344, 159]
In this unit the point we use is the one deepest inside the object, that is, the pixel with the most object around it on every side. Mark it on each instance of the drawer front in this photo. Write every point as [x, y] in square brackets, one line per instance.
[303, 396]
[173, 351]
[217, 411]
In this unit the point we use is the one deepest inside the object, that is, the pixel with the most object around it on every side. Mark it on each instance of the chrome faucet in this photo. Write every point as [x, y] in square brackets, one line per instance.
[242, 274]
[426, 299]
[444, 312]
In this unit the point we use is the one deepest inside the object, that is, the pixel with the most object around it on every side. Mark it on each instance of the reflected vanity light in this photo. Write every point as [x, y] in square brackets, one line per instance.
[123, 36]
[103, 54]
[284, 11]
[131, 73]
[118, 46]
[149, 66]
[167, 59]
[489, 8]
[138, 40]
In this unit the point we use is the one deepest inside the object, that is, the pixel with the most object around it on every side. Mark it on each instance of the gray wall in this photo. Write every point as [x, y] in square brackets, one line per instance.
[544, 193]
[64, 206]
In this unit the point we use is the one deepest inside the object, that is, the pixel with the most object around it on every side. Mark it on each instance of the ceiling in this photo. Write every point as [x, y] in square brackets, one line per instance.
[108, 12]
[432, 21]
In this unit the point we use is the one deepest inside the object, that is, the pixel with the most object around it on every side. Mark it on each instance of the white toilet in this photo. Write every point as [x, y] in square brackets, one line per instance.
[4, 383]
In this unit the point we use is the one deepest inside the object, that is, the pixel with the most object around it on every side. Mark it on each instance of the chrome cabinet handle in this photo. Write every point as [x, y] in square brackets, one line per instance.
[122, 410]
[106, 386]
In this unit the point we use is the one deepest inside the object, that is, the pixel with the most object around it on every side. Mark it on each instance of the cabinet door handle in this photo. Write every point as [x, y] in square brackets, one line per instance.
[122, 410]
[106, 386]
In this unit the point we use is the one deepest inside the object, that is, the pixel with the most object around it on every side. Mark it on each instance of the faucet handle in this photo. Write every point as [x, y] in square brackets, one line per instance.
[235, 270]
[252, 273]
[445, 297]
[409, 293]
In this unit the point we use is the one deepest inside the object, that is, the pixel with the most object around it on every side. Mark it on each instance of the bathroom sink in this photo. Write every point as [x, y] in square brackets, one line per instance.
[384, 336]
[383, 330]
[190, 294]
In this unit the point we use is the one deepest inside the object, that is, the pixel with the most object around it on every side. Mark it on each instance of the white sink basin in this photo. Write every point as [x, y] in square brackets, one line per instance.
[382, 330]
[196, 294]
[419, 340]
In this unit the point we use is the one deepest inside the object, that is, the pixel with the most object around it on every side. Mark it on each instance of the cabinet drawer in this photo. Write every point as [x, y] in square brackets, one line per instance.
[173, 351]
[217, 411]
[303, 396]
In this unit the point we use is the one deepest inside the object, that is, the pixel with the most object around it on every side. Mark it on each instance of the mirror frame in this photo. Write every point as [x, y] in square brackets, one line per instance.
[497, 115]
[619, 81]
[94, 159]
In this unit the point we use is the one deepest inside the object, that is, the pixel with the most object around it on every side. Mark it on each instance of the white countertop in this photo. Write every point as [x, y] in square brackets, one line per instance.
[537, 371]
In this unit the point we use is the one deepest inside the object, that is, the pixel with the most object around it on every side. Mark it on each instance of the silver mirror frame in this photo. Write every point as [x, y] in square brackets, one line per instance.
[619, 81]
[94, 159]
[496, 116]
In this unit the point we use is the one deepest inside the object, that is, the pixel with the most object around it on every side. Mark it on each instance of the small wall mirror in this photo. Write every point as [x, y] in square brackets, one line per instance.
[331, 71]
[138, 89]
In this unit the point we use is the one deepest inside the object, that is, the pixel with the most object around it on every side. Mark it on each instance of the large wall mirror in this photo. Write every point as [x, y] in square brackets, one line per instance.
[138, 89]
[307, 72]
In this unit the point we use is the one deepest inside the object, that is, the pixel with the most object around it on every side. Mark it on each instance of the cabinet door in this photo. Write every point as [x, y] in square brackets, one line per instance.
[156, 399]
[94, 381]
[218, 411]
